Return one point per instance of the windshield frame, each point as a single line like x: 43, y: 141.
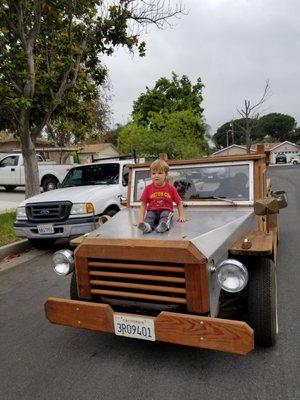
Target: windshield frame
x: 204, y: 202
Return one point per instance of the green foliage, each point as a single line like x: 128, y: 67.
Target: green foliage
x: 278, y: 126
x: 166, y: 119
x: 270, y: 127
x: 179, y: 134
x: 167, y: 96
x: 7, y: 233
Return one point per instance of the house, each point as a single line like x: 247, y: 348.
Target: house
x: 288, y: 148
x: 271, y: 150
x: 234, y: 149
x: 89, y: 152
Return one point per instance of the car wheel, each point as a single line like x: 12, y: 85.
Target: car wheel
x: 49, y: 183
x: 73, y: 287
x: 42, y: 244
x: 262, y: 302
x: 295, y: 162
x: 9, y: 188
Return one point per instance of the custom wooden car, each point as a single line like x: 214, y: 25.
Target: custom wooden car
x: 209, y: 282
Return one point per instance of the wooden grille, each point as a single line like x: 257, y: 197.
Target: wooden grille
x: 130, y: 280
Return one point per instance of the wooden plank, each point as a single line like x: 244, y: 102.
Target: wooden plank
x: 197, y: 288
x: 207, y: 160
x: 262, y: 244
x: 190, y: 330
x: 137, y: 267
x: 139, y: 286
x: 143, y: 296
x: 80, y: 314
x: 204, y: 332
x: 141, y: 250
x: 142, y: 277
x: 82, y: 276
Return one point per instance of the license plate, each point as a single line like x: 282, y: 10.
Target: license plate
x: 44, y: 229
x: 134, y: 326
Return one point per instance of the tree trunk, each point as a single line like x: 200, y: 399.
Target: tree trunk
x: 32, y: 186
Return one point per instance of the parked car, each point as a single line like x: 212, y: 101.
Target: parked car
x: 12, y: 172
x: 87, y: 192
x: 295, y: 159
x: 209, y: 282
x: 281, y: 158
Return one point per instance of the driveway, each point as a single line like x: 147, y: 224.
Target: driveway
x: 11, y: 200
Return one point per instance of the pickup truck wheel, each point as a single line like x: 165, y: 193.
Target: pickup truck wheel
x: 42, y: 244
x: 295, y: 162
x: 111, y: 212
x: 262, y: 302
x: 9, y: 188
x: 49, y: 183
x: 73, y: 288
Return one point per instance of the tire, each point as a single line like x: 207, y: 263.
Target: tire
x: 262, y: 302
x: 42, y: 244
x: 111, y: 212
x: 49, y: 183
x: 73, y: 287
x: 295, y: 162
x: 9, y: 188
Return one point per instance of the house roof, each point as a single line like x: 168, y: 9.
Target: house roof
x: 96, y: 148
x: 233, y: 146
x: 286, y: 142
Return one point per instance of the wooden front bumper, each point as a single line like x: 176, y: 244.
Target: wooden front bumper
x: 190, y: 330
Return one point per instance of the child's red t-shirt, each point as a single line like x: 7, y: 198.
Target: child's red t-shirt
x: 160, y: 198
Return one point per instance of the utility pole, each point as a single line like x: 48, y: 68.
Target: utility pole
x: 232, y: 130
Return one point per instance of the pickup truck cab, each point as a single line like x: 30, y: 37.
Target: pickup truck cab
x: 87, y: 192
x: 12, y: 172
x: 208, y: 283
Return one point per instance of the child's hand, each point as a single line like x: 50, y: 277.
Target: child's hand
x: 182, y: 219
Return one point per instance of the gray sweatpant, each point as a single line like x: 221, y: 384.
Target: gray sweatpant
x: 155, y: 217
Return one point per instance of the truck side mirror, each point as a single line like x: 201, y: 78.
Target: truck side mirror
x: 266, y: 206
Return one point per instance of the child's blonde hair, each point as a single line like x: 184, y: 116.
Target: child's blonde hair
x: 159, y: 166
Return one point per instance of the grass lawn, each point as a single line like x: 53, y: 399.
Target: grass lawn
x: 7, y: 234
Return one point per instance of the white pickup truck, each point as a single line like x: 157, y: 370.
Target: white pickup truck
x: 12, y: 172
x: 87, y: 192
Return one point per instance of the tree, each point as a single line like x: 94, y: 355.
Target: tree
x: 179, y: 134
x: 249, y: 114
x: 227, y: 134
x: 167, y: 118
x: 277, y: 126
x: 168, y: 96
x: 47, y: 44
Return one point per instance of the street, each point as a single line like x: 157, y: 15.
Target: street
x: 10, y: 200
x: 44, y: 361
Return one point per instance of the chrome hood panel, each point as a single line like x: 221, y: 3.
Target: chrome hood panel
x: 208, y: 228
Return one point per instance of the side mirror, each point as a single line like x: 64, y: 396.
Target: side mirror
x: 281, y: 197
x: 266, y: 206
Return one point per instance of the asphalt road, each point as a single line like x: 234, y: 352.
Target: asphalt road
x: 43, y: 361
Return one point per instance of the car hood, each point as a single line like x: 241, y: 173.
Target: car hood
x: 211, y: 229
x: 78, y: 194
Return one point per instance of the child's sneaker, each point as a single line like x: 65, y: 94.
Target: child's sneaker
x: 162, y: 227
x: 144, y: 227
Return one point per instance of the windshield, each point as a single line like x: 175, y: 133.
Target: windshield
x: 94, y: 174
x: 203, y: 183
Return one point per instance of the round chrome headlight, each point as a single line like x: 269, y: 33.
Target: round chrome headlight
x: 232, y: 275
x: 63, y: 262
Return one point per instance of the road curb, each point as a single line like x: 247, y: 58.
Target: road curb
x: 14, y: 248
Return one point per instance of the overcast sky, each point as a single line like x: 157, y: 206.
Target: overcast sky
x: 233, y: 45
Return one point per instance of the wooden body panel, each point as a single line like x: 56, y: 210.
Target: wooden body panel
x: 261, y: 244
x: 190, y: 330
